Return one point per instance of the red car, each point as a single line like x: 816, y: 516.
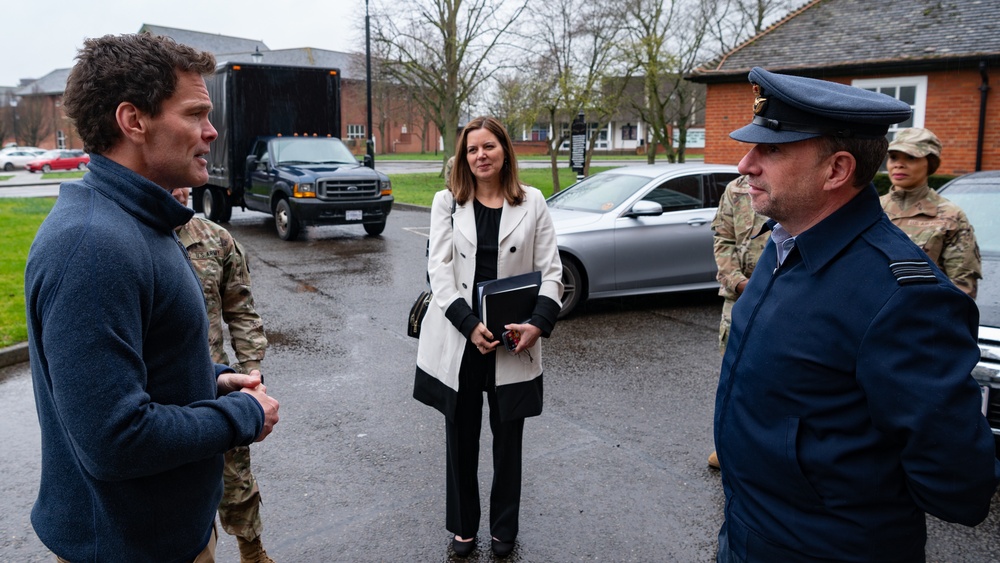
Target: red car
x: 59, y: 160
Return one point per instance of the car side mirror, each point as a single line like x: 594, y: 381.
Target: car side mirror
x: 645, y: 208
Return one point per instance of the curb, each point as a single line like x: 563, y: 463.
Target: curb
x: 410, y: 206
x: 13, y: 355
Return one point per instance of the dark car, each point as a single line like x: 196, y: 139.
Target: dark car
x: 638, y: 230
x: 978, y: 194
x: 59, y: 160
x: 315, y: 181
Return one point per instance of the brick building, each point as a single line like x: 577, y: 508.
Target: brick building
x: 938, y: 56
x: 398, y: 124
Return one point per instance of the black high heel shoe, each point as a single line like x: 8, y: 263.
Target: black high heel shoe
x: 501, y: 548
x: 463, y: 548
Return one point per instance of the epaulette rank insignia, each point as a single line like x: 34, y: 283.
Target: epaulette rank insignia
x: 912, y: 271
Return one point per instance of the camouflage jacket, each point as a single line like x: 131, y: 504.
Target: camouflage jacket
x: 941, y: 229
x: 735, y: 223
x: 225, y: 278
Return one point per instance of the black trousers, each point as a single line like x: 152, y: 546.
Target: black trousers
x: 476, y: 375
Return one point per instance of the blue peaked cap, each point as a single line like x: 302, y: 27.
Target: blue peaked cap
x: 794, y: 108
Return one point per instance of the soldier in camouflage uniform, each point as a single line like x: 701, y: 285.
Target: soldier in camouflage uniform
x: 736, y: 253
x: 933, y: 223
x: 222, y: 268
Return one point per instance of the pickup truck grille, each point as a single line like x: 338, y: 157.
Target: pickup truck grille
x: 347, y: 189
x: 987, y: 372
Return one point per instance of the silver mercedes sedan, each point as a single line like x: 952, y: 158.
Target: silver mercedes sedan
x: 637, y: 230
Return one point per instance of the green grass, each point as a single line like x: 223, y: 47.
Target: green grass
x: 63, y: 175
x: 52, y: 175
x: 419, y: 189
x: 20, y: 218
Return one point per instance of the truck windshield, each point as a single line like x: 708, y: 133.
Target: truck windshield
x: 316, y: 150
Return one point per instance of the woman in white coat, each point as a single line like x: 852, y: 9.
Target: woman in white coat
x: 486, y: 226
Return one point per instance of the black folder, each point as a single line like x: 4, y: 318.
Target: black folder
x: 508, y: 300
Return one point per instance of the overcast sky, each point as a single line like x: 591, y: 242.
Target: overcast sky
x: 39, y: 36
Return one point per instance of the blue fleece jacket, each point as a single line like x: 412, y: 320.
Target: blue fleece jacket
x: 133, y: 433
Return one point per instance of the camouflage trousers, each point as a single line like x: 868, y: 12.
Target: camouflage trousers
x: 239, y: 510
x: 727, y: 319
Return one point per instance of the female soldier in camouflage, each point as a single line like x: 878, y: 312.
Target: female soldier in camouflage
x: 933, y: 223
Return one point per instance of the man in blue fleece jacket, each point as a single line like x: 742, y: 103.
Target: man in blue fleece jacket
x: 134, y: 415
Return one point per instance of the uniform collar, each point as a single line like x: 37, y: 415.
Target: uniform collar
x: 825, y: 240
x: 908, y: 198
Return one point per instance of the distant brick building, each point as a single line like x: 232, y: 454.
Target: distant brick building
x: 938, y: 56
x: 397, y: 122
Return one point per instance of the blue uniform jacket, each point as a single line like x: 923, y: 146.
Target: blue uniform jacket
x: 845, y: 408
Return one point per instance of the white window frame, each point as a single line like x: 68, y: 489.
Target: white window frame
x: 920, y: 102
x: 355, y: 131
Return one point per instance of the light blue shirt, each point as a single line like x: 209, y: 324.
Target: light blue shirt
x: 783, y: 241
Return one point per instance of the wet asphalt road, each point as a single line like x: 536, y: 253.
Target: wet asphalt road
x: 614, y: 468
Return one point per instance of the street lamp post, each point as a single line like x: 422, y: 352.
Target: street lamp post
x: 370, y: 143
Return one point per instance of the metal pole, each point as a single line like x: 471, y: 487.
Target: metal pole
x: 370, y: 143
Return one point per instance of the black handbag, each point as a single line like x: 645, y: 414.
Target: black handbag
x: 419, y: 308
x: 417, y: 312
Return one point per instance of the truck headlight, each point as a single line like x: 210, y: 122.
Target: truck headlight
x: 387, y: 187
x: 303, y: 190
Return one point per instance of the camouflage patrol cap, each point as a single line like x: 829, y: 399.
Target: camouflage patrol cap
x: 916, y: 142
x: 790, y: 108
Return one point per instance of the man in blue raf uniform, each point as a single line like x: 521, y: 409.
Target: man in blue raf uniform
x: 845, y: 409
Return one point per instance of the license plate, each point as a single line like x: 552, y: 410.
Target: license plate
x: 354, y: 215
x: 986, y: 398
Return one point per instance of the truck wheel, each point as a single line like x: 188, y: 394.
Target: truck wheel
x: 197, y: 196
x: 213, y: 203
x: 374, y: 229
x: 226, y: 213
x: 284, y: 222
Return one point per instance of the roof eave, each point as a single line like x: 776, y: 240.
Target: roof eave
x: 856, y: 68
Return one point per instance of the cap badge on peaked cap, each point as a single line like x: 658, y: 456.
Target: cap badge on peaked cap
x: 758, y: 100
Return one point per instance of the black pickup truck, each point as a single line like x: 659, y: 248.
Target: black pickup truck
x: 279, y: 152
x: 314, y: 181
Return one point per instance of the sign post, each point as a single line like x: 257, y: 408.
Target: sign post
x: 578, y: 146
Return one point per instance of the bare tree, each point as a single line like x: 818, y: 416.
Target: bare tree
x: 670, y: 38
x: 577, y: 46
x: 516, y: 101
x: 650, y: 25
x: 735, y: 21
x: 441, y: 49
x: 34, y: 121
x: 6, y: 123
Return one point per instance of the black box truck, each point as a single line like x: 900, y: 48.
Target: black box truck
x: 279, y: 152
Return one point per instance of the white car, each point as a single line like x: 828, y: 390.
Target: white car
x: 18, y: 157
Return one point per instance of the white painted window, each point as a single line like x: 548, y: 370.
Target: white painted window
x: 355, y: 131
x: 909, y: 89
